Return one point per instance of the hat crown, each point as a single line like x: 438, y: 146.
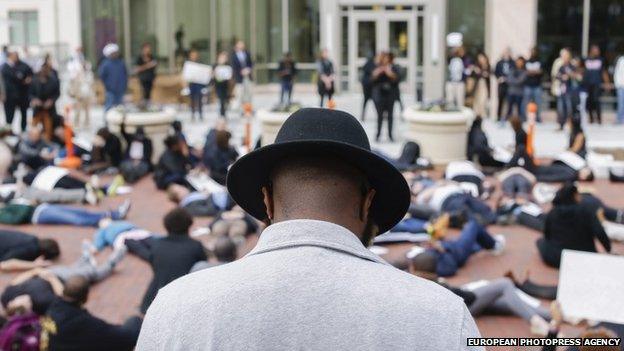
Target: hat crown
x: 320, y: 124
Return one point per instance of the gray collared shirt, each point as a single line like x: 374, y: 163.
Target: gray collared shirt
x: 307, y: 285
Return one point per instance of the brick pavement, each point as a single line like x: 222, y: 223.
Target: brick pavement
x: 119, y: 296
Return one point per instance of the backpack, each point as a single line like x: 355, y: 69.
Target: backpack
x: 21, y: 333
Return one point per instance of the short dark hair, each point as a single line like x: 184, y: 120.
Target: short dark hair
x: 49, y: 248
x: 566, y: 195
x: 171, y: 141
x: 425, y: 261
x: 178, y: 221
x: 225, y: 249
x: 76, y: 289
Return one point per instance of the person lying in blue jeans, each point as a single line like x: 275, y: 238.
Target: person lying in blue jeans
x: 114, y: 233
x: 445, y: 257
x: 57, y: 214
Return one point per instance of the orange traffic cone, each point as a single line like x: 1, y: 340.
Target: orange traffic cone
x: 247, y: 109
x: 531, y: 117
x: 70, y: 160
x: 331, y: 104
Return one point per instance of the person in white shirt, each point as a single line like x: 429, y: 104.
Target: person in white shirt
x: 455, y: 87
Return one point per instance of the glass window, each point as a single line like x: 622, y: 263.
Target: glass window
x: 468, y: 17
x: 398, y: 38
x: 605, y: 28
x: 559, y: 24
x: 233, y: 23
x: 367, y: 38
x: 303, y: 29
x: 148, y: 25
x: 102, y: 23
x: 192, y: 25
x: 268, y: 39
x: 23, y: 28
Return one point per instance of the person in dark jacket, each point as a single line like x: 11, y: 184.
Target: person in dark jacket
x: 326, y: 76
x: 287, y: 71
x: 106, y: 152
x: 577, y: 143
x: 146, y: 70
x: 501, y: 71
x: 137, y: 160
x: 114, y: 75
x: 479, y: 148
x: 17, y: 77
x: 570, y: 225
x: 595, y: 75
x: 515, y: 88
x: 385, y: 80
x: 170, y: 257
x: 173, y: 164
x: 519, y: 132
x: 44, y: 91
x: 367, y: 83
x: 70, y: 327
x: 25, y: 248
x: 221, y: 81
x: 533, y: 83
x: 218, y: 159
x: 242, y: 69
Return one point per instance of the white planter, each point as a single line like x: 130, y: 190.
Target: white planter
x: 155, y: 123
x: 442, y: 136
x: 270, y: 123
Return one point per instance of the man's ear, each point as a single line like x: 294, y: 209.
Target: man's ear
x: 366, y: 205
x: 267, y: 198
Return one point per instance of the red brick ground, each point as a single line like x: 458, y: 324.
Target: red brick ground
x: 119, y: 296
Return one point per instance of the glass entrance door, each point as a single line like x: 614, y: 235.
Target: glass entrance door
x: 371, y: 32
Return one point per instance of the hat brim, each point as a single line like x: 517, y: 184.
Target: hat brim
x: 251, y: 172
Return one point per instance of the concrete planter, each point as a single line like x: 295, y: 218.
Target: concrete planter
x: 270, y: 123
x: 442, y: 135
x: 155, y: 123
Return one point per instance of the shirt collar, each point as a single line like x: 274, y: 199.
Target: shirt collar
x: 308, y: 232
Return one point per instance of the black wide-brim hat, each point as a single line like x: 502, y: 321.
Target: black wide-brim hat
x: 321, y: 132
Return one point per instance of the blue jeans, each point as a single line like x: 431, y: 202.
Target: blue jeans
x: 515, y: 100
x: 57, y: 214
x: 112, y: 99
x: 532, y: 94
x: 286, y: 94
x: 411, y: 225
x: 620, y: 105
x: 472, y: 239
x: 106, y: 236
x: 564, y: 108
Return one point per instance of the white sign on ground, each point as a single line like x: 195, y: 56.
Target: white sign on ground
x: 591, y: 286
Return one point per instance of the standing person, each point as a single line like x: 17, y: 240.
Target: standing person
x: 326, y: 76
x: 323, y: 210
x: 287, y: 71
x: 618, y: 81
x: 146, y: 71
x: 577, y: 142
x: 17, y: 76
x: 455, y: 86
x: 80, y: 86
x: 367, y: 82
x: 242, y: 66
x: 595, y: 75
x: 114, y: 75
x: 196, y: 90
x: 533, y: 83
x: 222, y: 78
x: 501, y: 71
x: 171, y: 256
x: 44, y: 91
x: 385, y: 90
x: 515, y: 84
x: 481, y: 71
x: 560, y: 73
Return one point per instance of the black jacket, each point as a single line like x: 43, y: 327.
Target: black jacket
x: 170, y: 164
x: 15, y: 81
x: 18, y: 245
x: 78, y: 330
x: 44, y: 90
x: 170, y: 257
x: 237, y: 66
x: 574, y: 227
x: 147, y: 145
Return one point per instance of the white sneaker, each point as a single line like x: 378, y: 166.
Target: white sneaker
x: 539, y: 326
x: 499, y: 245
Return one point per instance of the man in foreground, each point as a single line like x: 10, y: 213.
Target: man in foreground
x: 310, y: 283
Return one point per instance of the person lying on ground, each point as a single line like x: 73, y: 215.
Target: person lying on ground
x: 200, y: 203
x: 24, y: 213
x: 498, y: 296
x: 566, y: 167
x: 570, y: 225
x: 69, y: 326
x: 409, y: 160
x: 470, y: 177
x: 444, y: 257
x: 115, y: 232
x: 173, y: 165
x: 224, y: 251
x: 20, y: 251
x: 171, y: 256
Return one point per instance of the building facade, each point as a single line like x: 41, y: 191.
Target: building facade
x: 37, y: 27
